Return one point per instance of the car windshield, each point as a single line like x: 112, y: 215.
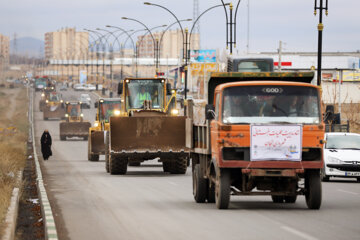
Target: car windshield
x: 107, y: 109
x: 73, y: 110
x: 137, y: 91
x: 343, y: 142
x: 271, y: 104
x: 85, y: 97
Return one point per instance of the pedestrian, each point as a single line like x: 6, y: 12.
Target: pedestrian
x: 46, y: 145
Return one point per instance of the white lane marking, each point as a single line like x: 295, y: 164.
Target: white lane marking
x: 344, y: 191
x: 172, y: 183
x: 298, y: 233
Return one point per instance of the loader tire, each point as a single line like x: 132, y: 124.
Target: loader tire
x: 117, y: 165
x: 199, y: 185
x: 107, y: 164
x: 134, y: 164
x: 179, y: 166
x: 62, y: 138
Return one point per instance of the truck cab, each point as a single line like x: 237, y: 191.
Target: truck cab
x: 263, y: 135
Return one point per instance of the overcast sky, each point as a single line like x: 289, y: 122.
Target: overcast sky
x: 291, y: 21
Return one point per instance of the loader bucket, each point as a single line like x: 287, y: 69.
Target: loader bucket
x: 74, y: 129
x: 97, y: 142
x: 147, y: 134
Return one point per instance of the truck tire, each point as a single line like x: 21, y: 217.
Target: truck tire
x: 313, y: 189
x: 277, y: 199
x: 117, y: 165
x: 179, y: 166
x: 324, y: 177
x: 222, y: 188
x: 210, y: 192
x: 199, y: 185
x: 166, y: 166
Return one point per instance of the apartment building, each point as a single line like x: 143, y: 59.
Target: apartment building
x: 4, y: 51
x: 66, y: 44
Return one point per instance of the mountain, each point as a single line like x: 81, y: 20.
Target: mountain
x: 27, y: 46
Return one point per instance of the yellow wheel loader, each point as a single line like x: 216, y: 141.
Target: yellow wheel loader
x: 106, y: 107
x: 45, y: 96
x: 74, y: 124
x: 148, y: 127
x: 54, y: 107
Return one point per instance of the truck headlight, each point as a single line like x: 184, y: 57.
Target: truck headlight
x: 61, y: 101
x: 116, y: 112
x: 66, y: 115
x: 174, y: 112
x: 335, y: 160
x: 43, y: 95
x: 81, y: 115
x: 96, y: 124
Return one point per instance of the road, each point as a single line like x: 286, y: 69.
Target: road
x: 149, y: 204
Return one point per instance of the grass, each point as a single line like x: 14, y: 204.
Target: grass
x: 12, y: 145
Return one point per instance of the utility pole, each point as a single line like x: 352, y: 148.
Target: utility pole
x: 280, y: 53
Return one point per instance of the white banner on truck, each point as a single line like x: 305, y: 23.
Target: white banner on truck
x: 275, y: 142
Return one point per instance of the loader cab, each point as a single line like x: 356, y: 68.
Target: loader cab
x: 54, y: 97
x: 108, y: 108
x: 153, y: 94
x: 73, y: 111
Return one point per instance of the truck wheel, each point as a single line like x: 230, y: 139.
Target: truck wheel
x: 62, y: 138
x: 167, y: 166
x: 222, y: 188
x: 358, y: 180
x: 290, y: 199
x: 179, y: 166
x: 117, y: 165
x: 199, y: 185
x: 277, y: 199
x: 313, y: 189
x: 211, y: 193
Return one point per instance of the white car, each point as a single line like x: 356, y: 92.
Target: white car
x: 341, y: 156
x: 85, y: 100
x: 89, y: 87
x: 79, y: 87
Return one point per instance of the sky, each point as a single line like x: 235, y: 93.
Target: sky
x: 290, y: 21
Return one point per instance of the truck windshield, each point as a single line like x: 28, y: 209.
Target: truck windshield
x: 137, y: 91
x: 343, y: 142
x: 271, y: 104
x: 107, y: 109
x: 254, y: 66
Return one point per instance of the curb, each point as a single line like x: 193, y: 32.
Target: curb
x: 11, y: 216
x: 48, y: 217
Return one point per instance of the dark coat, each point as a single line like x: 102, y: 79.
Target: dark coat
x: 46, y: 145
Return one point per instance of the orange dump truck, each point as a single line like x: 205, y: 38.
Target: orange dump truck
x: 262, y: 134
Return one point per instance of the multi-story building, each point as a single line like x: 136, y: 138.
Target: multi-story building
x: 4, y: 51
x: 66, y: 44
x: 170, y: 43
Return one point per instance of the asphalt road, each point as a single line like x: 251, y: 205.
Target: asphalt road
x: 149, y: 204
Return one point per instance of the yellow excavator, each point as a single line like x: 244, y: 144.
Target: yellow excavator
x: 148, y: 127
x: 74, y: 124
x: 106, y: 107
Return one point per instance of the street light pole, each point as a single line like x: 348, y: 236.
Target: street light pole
x: 320, y: 30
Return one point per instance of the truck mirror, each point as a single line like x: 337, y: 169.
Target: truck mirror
x: 168, y: 88
x: 96, y: 104
x: 120, y: 88
x: 209, y: 112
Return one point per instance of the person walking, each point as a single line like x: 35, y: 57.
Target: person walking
x: 46, y: 145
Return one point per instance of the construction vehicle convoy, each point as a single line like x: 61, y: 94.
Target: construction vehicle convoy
x: 45, y: 96
x: 54, y: 107
x: 153, y: 128
x: 74, y: 124
x: 106, y: 107
x: 263, y: 135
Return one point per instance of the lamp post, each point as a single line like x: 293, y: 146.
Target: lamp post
x: 152, y: 36
x: 231, y: 25
x: 321, y: 8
